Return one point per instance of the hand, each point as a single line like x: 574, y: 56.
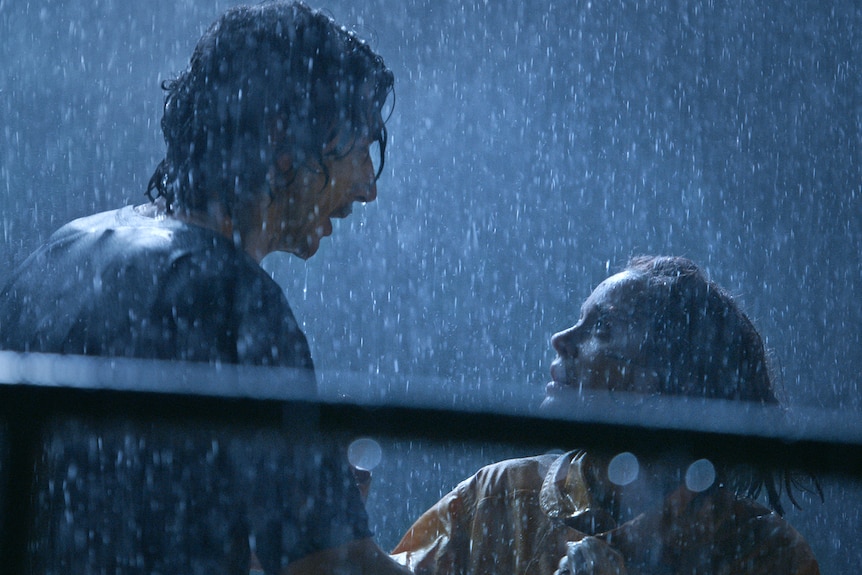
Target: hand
x: 591, y: 556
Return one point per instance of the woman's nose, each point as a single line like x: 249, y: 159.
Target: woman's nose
x: 565, y: 342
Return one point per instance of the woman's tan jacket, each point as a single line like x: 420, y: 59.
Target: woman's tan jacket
x: 522, y: 516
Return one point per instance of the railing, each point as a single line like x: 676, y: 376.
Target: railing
x: 34, y: 389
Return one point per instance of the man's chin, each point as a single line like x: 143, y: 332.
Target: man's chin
x: 305, y: 251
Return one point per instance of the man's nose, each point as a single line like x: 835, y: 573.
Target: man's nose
x: 565, y: 342
x: 366, y: 194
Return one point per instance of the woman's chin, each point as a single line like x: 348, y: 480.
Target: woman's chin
x: 557, y: 394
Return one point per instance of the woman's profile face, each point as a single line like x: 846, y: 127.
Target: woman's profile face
x: 604, y: 350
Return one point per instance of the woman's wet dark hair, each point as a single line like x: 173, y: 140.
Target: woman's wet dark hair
x: 263, y: 81
x: 702, y: 344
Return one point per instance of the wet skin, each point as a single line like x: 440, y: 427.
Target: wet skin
x: 604, y: 349
x: 301, y: 213
x: 296, y: 208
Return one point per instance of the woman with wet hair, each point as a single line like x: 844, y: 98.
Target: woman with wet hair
x: 659, y: 327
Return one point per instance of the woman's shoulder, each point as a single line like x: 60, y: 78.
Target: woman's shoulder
x: 518, y: 474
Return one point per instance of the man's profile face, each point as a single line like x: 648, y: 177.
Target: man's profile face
x: 604, y: 350
x: 299, y: 216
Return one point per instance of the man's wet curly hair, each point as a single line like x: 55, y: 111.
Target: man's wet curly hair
x: 264, y: 81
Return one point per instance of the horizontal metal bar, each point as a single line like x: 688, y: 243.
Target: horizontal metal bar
x: 34, y: 386
x: 34, y: 389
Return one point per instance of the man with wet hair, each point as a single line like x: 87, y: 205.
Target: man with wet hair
x: 659, y: 327
x: 267, y: 150
x: 270, y: 134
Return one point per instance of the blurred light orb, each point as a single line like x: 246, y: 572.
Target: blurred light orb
x: 623, y: 468
x: 364, y: 453
x: 700, y: 475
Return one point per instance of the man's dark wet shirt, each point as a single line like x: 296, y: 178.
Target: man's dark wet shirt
x: 124, y: 284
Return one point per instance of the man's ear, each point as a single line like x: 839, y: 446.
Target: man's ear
x: 281, y: 174
x: 284, y: 161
